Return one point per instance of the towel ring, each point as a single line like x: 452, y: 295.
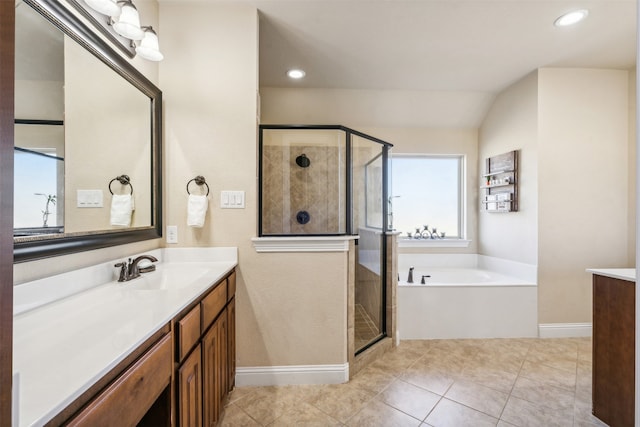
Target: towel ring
x: 199, y: 181
x: 122, y: 179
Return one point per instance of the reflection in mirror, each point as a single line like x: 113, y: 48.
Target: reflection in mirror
x: 38, y: 177
x: 84, y: 115
x: 107, y: 134
x: 39, y: 131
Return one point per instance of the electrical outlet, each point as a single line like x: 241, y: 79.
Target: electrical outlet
x: 172, y: 234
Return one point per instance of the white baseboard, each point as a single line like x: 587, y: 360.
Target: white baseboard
x: 283, y: 375
x: 564, y: 330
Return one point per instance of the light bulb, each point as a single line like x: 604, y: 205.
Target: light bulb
x: 106, y: 7
x: 128, y: 23
x: 149, y: 48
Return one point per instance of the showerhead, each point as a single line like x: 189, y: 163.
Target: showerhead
x: 303, y: 161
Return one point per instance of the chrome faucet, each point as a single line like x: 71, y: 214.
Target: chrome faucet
x: 130, y: 270
x: 410, y: 278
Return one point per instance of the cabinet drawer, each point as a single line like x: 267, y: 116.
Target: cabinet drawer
x: 188, y: 331
x: 128, y: 398
x: 231, y: 285
x: 213, y: 303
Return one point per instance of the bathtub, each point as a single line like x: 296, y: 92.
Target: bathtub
x: 466, y: 296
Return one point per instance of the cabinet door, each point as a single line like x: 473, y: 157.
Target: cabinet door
x: 231, y: 343
x: 223, y: 365
x: 190, y: 389
x: 211, y: 407
x: 613, y: 350
x: 215, y: 374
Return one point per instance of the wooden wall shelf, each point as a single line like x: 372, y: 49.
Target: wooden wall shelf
x: 500, y: 183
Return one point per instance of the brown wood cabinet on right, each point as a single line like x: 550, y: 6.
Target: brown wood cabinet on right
x: 206, y: 355
x: 613, y: 350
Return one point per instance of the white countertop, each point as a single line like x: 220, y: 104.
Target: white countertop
x: 615, y: 273
x: 62, y: 348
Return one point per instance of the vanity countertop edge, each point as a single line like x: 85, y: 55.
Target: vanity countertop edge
x: 62, y: 348
x: 628, y: 274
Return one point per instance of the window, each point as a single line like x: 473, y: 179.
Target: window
x: 428, y: 190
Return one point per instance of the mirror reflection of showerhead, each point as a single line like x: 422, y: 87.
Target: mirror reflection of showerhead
x: 303, y: 161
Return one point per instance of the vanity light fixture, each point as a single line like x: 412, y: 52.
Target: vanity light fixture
x: 571, y: 18
x: 106, y: 7
x: 128, y: 23
x: 125, y: 20
x: 296, y: 74
x: 149, y: 48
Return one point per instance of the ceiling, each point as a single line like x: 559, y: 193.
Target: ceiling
x: 39, y: 47
x: 447, y: 58
x: 458, y: 52
x: 443, y: 45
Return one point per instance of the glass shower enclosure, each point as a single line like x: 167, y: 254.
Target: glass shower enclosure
x: 331, y: 180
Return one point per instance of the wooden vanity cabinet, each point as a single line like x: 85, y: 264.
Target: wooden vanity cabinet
x: 613, y: 350
x: 140, y: 395
x: 205, y: 367
x: 180, y: 376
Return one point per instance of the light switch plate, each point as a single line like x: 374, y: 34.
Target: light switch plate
x: 232, y: 199
x: 90, y: 199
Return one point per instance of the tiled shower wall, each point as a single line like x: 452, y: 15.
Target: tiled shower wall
x: 368, y: 292
x: 288, y: 188
x: 368, y: 274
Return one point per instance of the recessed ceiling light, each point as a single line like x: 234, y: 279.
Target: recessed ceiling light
x: 296, y: 74
x: 571, y: 18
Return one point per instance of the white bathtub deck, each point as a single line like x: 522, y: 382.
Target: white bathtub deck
x: 450, y: 312
x: 498, y: 304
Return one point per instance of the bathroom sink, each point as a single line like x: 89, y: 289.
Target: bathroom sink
x: 170, y: 276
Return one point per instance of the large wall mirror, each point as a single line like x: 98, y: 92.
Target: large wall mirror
x: 87, y: 134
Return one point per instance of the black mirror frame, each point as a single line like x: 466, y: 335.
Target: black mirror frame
x: 66, y: 21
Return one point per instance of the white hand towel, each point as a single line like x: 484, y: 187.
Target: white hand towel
x: 196, y: 210
x: 121, y: 208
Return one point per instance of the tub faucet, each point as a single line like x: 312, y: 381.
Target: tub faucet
x: 130, y: 270
x: 410, y: 278
x: 424, y: 282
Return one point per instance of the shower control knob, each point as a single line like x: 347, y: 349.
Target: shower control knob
x: 303, y: 217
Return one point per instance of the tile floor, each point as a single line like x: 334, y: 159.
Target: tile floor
x: 496, y: 382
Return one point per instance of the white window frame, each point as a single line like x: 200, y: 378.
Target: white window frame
x: 459, y: 241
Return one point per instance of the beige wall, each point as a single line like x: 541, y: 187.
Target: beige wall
x: 583, y: 185
x: 511, y: 124
x: 28, y: 271
x: 572, y: 127
x: 42, y: 100
x: 291, y: 308
x: 383, y: 108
